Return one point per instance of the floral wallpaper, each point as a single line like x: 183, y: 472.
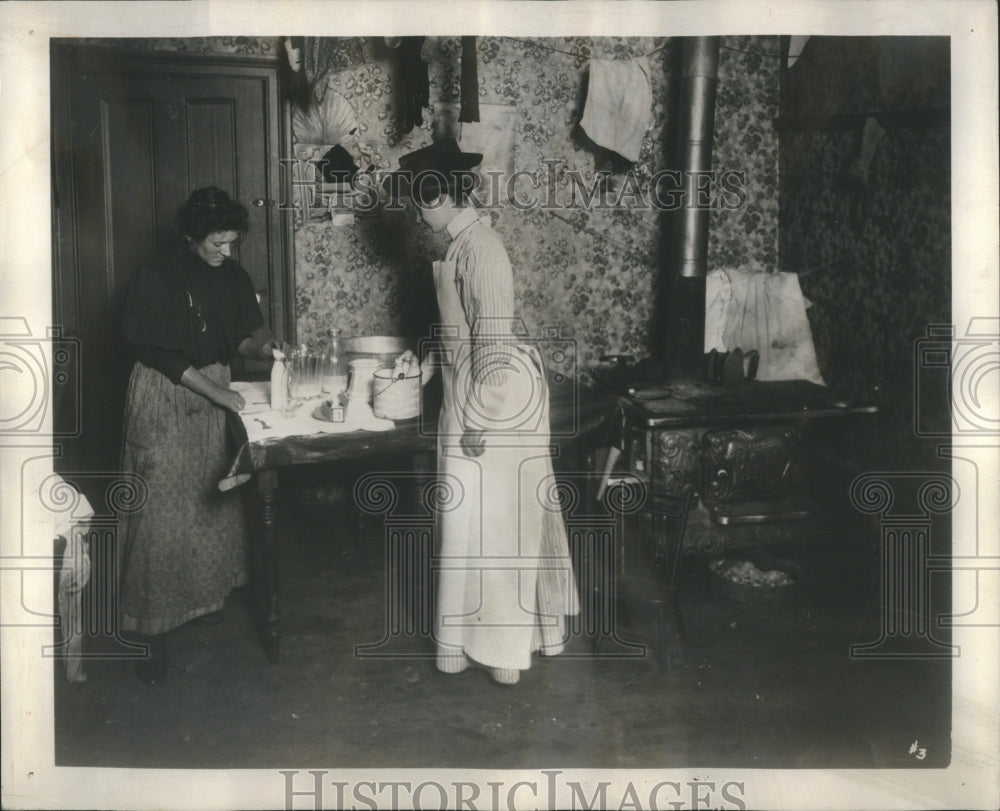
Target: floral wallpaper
x: 591, y: 273
x: 237, y: 46
x: 875, y: 262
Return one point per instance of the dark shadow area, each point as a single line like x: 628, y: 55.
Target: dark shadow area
x: 762, y: 683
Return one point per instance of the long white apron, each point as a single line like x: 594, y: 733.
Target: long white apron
x: 504, y: 575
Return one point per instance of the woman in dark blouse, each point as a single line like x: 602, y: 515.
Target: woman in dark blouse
x: 187, y: 312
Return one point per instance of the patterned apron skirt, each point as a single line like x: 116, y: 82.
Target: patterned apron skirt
x: 184, y: 550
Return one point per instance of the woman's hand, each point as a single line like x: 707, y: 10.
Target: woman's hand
x: 229, y: 399
x: 266, y: 350
x: 473, y: 442
x: 220, y: 395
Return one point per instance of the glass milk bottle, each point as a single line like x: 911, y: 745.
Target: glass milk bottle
x: 279, y: 382
x: 334, y: 366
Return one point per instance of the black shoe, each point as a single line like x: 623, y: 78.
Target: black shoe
x: 154, y: 669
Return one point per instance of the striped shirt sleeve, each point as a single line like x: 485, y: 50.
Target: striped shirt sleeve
x: 486, y: 285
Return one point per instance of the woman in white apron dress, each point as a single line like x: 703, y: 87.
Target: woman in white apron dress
x: 504, y: 576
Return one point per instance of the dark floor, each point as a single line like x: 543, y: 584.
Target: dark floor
x: 760, y: 684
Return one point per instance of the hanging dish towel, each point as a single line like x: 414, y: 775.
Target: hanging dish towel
x: 750, y: 310
x: 619, y: 104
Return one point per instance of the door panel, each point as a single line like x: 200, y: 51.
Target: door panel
x: 133, y: 136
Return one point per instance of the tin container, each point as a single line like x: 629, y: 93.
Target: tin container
x: 394, y: 397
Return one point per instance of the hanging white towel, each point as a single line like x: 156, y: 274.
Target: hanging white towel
x: 619, y: 105
x: 73, y: 576
x: 750, y: 310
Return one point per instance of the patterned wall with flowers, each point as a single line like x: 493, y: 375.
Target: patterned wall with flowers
x: 875, y: 261
x: 591, y: 273
x: 234, y: 46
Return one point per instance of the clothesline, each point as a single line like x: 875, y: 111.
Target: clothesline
x: 571, y: 53
x: 605, y: 238
x: 751, y: 53
x: 836, y: 261
x: 650, y: 53
x: 533, y: 44
x: 593, y: 232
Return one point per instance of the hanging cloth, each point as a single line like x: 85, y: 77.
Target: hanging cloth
x: 73, y: 577
x: 415, y: 81
x: 766, y: 312
x: 470, y: 82
x: 619, y: 105
x: 322, y: 56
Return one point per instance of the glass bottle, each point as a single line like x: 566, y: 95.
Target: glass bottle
x: 279, y: 382
x: 334, y: 365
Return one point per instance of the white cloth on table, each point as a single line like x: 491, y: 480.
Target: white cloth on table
x: 264, y: 423
x: 74, y: 575
x: 619, y: 105
x: 766, y: 312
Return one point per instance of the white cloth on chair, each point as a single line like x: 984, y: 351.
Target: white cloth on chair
x: 750, y: 310
x: 73, y: 576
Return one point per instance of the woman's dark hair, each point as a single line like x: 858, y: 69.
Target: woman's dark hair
x: 209, y: 211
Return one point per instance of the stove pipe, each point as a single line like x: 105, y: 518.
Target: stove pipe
x: 685, y: 333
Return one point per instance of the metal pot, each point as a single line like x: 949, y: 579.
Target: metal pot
x: 384, y: 348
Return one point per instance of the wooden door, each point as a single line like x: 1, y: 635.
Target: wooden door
x: 133, y: 136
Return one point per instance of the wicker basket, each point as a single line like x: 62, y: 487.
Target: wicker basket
x: 395, y: 398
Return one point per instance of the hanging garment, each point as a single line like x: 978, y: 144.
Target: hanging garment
x: 470, y: 82
x: 322, y: 56
x: 765, y: 312
x: 505, y: 578
x: 415, y: 81
x: 74, y: 574
x: 619, y: 105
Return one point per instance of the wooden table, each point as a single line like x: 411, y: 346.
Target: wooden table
x: 578, y: 415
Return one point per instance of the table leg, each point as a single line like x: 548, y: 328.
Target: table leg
x: 270, y: 614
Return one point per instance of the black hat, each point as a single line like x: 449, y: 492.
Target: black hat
x: 443, y: 157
